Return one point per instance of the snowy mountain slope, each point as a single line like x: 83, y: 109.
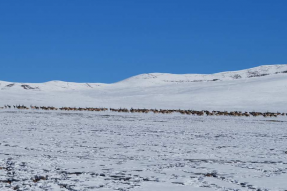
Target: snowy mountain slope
x: 262, y: 88
x: 155, y: 78
x: 48, y: 86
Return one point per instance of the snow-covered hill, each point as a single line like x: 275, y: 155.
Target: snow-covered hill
x: 261, y: 88
x: 48, y: 86
x: 156, y: 78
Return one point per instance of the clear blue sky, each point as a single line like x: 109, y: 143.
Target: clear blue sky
x: 110, y: 40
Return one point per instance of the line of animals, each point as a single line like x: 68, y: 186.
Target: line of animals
x: 162, y: 111
x: 53, y: 108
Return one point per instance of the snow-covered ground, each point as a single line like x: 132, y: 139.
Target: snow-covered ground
x: 53, y: 150
x: 262, y: 88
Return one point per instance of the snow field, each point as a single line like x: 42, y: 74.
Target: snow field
x: 53, y: 150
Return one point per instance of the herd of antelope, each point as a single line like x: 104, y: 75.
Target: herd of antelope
x: 161, y: 111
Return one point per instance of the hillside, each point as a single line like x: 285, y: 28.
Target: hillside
x: 261, y: 88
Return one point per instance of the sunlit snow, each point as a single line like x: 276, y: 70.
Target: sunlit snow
x: 54, y: 150
x: 82, y: 151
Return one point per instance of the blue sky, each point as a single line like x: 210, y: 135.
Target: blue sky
x: 110, y: 40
